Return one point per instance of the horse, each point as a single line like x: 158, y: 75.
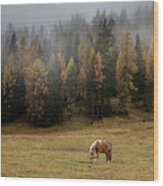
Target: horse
x: 100, y: 146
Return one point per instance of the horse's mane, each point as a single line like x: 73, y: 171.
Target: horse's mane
x: 92, y: 147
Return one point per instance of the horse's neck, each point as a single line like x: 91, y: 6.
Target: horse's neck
x: 92, y: 147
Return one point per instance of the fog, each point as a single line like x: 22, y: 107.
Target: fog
x: 49, y: 14
x: 61, y: 27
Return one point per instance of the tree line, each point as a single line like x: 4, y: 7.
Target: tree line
x: 85, y: 70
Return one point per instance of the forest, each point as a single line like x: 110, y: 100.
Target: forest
x: 97, y: 70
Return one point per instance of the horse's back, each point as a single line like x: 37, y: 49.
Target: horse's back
x: 104, y: 146
x: 108, y: 144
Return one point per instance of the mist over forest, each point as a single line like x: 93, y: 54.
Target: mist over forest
x: 130, y: 15
x: 59, y: 60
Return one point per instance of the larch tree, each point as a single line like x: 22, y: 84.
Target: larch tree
x: 11, y: 99
x: 125, y: 70
x: 36, y: 86
x: 12, y: 83
x: 99, y: 80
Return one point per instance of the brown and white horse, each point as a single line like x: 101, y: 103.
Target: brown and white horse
x: 100, y: 146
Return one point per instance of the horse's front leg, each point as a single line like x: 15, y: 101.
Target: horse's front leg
x: 96, y: 157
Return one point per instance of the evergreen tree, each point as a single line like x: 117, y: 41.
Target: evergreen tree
x: 140, y: 76
x: 149, y: 91
x: 83, y: 65
x: 69, y: 84
x: 123, y: 21
x: 71, y: 87
x: 82, y: 82
x: 4, y: 51
x: 125, y: 70
x: 54, y: 105
x: 13, y: 43
x: 23, y: 54
x: 34, y: 50
x: 105, y: 44
x: 95, y: 80
x: 91, y: 85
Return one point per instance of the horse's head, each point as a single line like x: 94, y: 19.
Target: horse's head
x: 91, y: 152
x: 92, y: 148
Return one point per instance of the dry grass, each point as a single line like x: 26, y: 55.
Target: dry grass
x: 62, y: 151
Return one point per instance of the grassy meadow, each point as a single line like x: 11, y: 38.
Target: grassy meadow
x: 72, y: 74
x: 61, y: 151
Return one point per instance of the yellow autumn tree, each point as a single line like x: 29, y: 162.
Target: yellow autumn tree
x: 12, y: 90
x: 9, y: 82
x: 98, y: 68
x: 63, y: 75
x: 8, y: 76
x: 36, y: 85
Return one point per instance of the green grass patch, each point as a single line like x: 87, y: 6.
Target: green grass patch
x: 62, y: 151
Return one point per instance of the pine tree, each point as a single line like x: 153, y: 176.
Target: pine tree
x: 71, y: 87
x: 139, y: 77
x: 91, y: 85
x: 82, y: 81
x: 125, y: 70
x: 105, y: 44
x: 54, y: 105
x: 149, y: 91
x: 83, y: 64
x: 34, y: 49
x: 95, y: 81
x: 13, y: 43
x: 23, y: 54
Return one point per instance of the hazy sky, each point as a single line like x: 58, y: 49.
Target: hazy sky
x: 48, y: 14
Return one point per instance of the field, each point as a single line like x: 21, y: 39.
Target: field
x: 62, y: 151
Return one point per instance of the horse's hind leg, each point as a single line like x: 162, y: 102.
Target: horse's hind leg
x: 107, y: 156
x: 110, y: 155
